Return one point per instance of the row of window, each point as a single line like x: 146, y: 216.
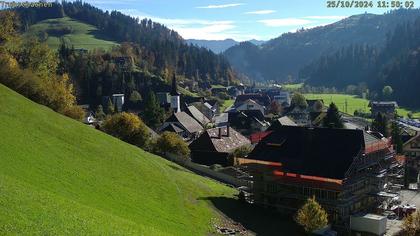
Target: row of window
x: 306, y: 191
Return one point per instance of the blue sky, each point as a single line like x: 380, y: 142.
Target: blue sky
x: 237, y: 19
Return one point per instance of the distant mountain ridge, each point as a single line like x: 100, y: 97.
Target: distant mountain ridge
x: 219, y: 46
x: 280, y: 59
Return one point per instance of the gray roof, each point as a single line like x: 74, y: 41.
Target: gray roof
x: 383, y: 103
x: 197, y: 115
x: 227, y: 143
x: 189, y: 123
x: 173, y: 128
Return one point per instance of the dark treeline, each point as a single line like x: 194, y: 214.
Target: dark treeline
x: 397, y: 64
x: 281, y: 58
x: 155, y: 49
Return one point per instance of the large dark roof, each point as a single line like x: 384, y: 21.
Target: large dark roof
x: 261, y: 99
x: 191, y: 125
x: 211, y: 141
x: 311, y: 151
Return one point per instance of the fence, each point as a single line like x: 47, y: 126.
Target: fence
x: 206, y: 171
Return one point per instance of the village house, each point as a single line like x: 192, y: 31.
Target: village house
x: 282, y: 121
x: 344, y: 169
x: 261, y: 99
x: 249, y: 105
x: 197, y: 115
x: 205, y: 108
x: 118, y: 101
x: 215, y: 145
x: 248, y: 122
x: 386, y: 108
x: 183, y: 125
x: 411, y: 149
x: 283, y: 98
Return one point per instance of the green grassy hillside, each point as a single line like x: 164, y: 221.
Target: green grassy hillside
x: 78, y: 34
x: 60, y: 177
x: 353, y: 103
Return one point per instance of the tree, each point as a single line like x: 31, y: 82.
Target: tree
x: 170, y: 142
x: 333, y: 117
x: 135, y: 97
x: 127, y: 127
x: 99, y: 113
x: 312, y: 216
x: 318, y: 105
x: 299, y: 100
x: 396, y: 137
x: 9, y: 24
x: 153, y: 114
x: 240, y: 152
x: 411, y: 224
x: 380, y: 124
x: 275, y: 108
x: 387, y: 91
x: 110, y: 109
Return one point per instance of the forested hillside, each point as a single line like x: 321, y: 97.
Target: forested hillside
x: 397, y: 64
x: 281, y: 58
x: 154, y: 51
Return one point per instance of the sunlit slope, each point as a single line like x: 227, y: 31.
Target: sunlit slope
x: 80, y: 35
x: 58, y: 176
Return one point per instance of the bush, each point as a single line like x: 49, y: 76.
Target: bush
x: 312, y: 216
x: 170, y: 142
x: 127, y: 127
x: 411, y: 224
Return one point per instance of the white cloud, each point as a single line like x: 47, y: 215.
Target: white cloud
x: 285, y: 22
x: 325, y: 17
x: 221, y: 6
x: 260, y: 12
x: 196, y: 28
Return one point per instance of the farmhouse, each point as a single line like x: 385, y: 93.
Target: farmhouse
x: 261, y: 99
x: 215, y: 145
x: 248, y: 122
x: 182, y: 124
x: 411, y: 149
x: 386, y: 108
x: 250, y: 105
x: 344, y: 169
x: 197, y: 115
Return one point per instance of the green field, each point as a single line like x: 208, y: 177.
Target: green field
x: 292, y: 87
x: 82, y: 35
x: 226, y: 104
x: 60, y: 177
x: 353, y: 103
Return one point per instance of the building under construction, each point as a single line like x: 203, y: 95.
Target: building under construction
x: 344, y: 169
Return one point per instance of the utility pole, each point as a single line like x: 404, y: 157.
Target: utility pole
x: 345, y: 105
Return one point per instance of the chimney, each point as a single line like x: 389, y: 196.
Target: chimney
x: 228, y: 130
x: 220, y: 133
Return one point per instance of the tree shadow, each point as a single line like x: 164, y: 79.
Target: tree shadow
x: 177, y: 168
x: 259, y: 220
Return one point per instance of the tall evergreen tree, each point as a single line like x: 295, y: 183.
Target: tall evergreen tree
x: 153, y: 114
x: 396, y: 137
x: 380, y: 124
x: 110, y: 109
x: 333, y: 117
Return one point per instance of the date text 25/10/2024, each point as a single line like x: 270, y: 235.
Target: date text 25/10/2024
x: 370, y: 4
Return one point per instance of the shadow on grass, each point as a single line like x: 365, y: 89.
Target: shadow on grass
x: 177, y: 168
x: 259, y: 220
x: 98, y: 34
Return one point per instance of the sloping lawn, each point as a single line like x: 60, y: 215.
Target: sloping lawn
x: 60, y: 177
